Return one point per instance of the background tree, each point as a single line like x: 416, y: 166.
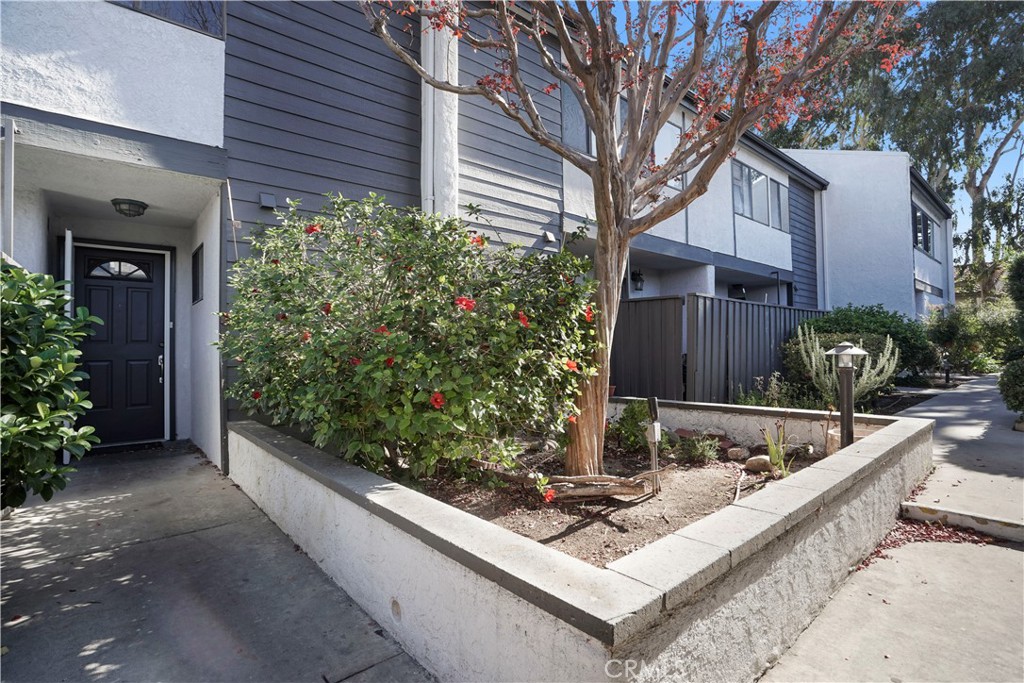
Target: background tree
x: 631, y: 66
x: 956, y: 105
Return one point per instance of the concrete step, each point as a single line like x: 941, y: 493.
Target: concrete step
x: 998, y: 528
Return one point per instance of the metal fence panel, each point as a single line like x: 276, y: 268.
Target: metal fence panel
x: 647, y: 351
x: 730, y: 342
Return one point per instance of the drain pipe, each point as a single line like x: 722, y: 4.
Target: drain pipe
x: 428, y: 42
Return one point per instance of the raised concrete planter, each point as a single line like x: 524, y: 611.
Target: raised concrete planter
x: 719, y: 599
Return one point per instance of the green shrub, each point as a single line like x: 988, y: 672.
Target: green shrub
x: 630, y: 429
x: 872, y: 372
x: 401, y: 339
x: 917, y: 354
x: 1015, y: 289
x: 974, y: 336
x: 698, y: 450
x: 1011, y: 386
x: 797, y: 370
x: 776, y: 392
x: 38, y: 382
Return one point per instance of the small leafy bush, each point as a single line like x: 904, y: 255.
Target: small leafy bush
x: 630, y: 429
x: 776, y: 392
x: 872, y: 373
x: 917, y: 354
x: 698, y: 450
x: 39, y: 379
x: 1011, y: 386
x: 402, y: 340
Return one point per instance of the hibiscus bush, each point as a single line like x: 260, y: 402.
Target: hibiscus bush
x: 404, y: 339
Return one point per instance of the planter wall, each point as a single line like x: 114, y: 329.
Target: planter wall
x: 720, y: 599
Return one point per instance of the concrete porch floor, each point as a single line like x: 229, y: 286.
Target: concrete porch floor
x: 154, y: 566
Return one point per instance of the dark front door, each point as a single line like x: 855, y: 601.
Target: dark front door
x: 125, y: 357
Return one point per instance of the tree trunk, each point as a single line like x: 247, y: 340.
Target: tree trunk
x: 585, y: 452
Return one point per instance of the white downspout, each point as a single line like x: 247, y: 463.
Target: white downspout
x: 824, y: 296
x: 427, y: 47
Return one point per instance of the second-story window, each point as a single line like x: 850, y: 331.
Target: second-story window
x: 924, y: 230
x: 758, y: 198
x: 206, y: 16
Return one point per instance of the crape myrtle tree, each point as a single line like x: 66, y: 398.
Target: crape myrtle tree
x: 631, y: 66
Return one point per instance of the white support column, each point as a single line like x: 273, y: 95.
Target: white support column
x: 7, y: 194
x: 439, y: 150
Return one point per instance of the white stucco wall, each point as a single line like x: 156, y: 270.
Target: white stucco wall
x: 869, y: 252
x: 141, y: 234
x: 106, y: 63
x: 205, y: 359
x: 29, y: 230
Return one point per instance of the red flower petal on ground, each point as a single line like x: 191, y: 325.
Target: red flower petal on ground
x: 523, y: 320
x: 549, y: 495
x: 327, y: 307
x: 389, y: 362
x: 306, y: 336
x: 355, y: 361
x: 465, y: 303
x: 589, y: 313
x: 383, y: 329
x: 312, y: 228
x: 437, y: 400
x: 256, y: 395
x: 571, y: 364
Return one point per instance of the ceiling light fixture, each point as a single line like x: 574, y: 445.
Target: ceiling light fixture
x: 129, y: 207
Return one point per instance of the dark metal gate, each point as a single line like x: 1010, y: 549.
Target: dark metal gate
x: 647, y: 351
x: 730, y: 342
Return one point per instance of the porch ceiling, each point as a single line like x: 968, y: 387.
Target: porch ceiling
x: 77, y: 186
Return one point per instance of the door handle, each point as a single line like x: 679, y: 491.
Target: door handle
x: 160, y: 362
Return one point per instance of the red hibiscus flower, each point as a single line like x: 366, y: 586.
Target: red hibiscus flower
x: 383, y: 329
x: 327, y: 308
x: 571, y: 364
x: 437, y: 400
x: 549, y: 495
x: 589, y: 313
x: 465, y: 303
x: 312, y: 228
x: 256, y: 395
x: 275, y: 261
x: 355, y: 361
x: 478, y: 240
x: 523, y: 320
x: 282, y: 316
x: 306, y: 336
x: 572, y: 419
x: 389, y: 362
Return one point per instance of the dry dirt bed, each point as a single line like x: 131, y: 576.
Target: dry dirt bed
x: 602, y: 531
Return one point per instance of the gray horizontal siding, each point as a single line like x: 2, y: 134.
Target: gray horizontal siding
x: 516, y: 182
x: 804, y: 245
x: 314, y: 103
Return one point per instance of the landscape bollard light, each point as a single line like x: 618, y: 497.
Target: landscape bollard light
x: 845, y: 352
x: 653, y: 437
x: 946, y: 365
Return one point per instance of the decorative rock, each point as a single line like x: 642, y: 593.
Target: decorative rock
x: 725, y: 444
x: 739, y: 453
x: 759, y: 463
x: 671, y: 438
x: 716, y: 432
x: 687, y: 433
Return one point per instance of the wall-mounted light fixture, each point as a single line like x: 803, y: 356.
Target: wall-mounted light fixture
x: 129, y: 207
x: 637, y: 278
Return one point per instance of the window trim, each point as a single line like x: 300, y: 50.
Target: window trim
x: 747, y: 185
x: 928, y: 231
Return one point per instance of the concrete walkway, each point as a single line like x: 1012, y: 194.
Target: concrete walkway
x: 936, y: 611
x: 979, y: 461
x: 152, y: 566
